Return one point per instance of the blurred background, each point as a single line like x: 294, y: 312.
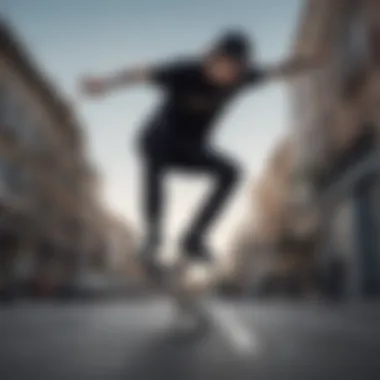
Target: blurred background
x: 311, y: 209
x: 306, y: 226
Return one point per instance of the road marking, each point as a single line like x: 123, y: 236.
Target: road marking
x: 234, y: 331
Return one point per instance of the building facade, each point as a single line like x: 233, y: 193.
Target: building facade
x: 277, y: 247
x: 49, y: 226
x: 336, y: 126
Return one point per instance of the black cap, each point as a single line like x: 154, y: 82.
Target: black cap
x: 235, y: 44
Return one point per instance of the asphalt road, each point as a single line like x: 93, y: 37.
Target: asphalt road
x: 134, y: 340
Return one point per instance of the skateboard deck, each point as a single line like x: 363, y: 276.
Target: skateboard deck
x: 188, y: 296
x: 187, y: 291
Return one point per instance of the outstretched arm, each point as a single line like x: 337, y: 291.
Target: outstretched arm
x: 99, y: 85
x: 163, y: 74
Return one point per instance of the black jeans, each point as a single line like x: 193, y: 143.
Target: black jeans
x: 164, y: 154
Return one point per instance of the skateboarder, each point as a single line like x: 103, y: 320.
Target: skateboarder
x: 178, y: 135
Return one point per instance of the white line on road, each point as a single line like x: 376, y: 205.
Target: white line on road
x: 233, y: 330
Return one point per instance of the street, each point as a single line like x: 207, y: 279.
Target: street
x: 131, y: 340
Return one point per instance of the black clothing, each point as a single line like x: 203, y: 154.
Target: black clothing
x: 177, y: 138
x: 191, y: 102
x: 160, y: 159
x: 235, y: 45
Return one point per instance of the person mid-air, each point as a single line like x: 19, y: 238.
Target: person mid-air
x: 178, y: 134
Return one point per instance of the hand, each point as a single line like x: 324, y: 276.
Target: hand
x: 93, y: 86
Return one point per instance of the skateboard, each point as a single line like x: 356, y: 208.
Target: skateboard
x: 187, y: 285
x: 189, y: 290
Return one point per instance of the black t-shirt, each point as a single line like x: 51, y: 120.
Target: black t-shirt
x: 191, y: 102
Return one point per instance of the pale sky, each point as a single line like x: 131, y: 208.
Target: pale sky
x: 72, y: 37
